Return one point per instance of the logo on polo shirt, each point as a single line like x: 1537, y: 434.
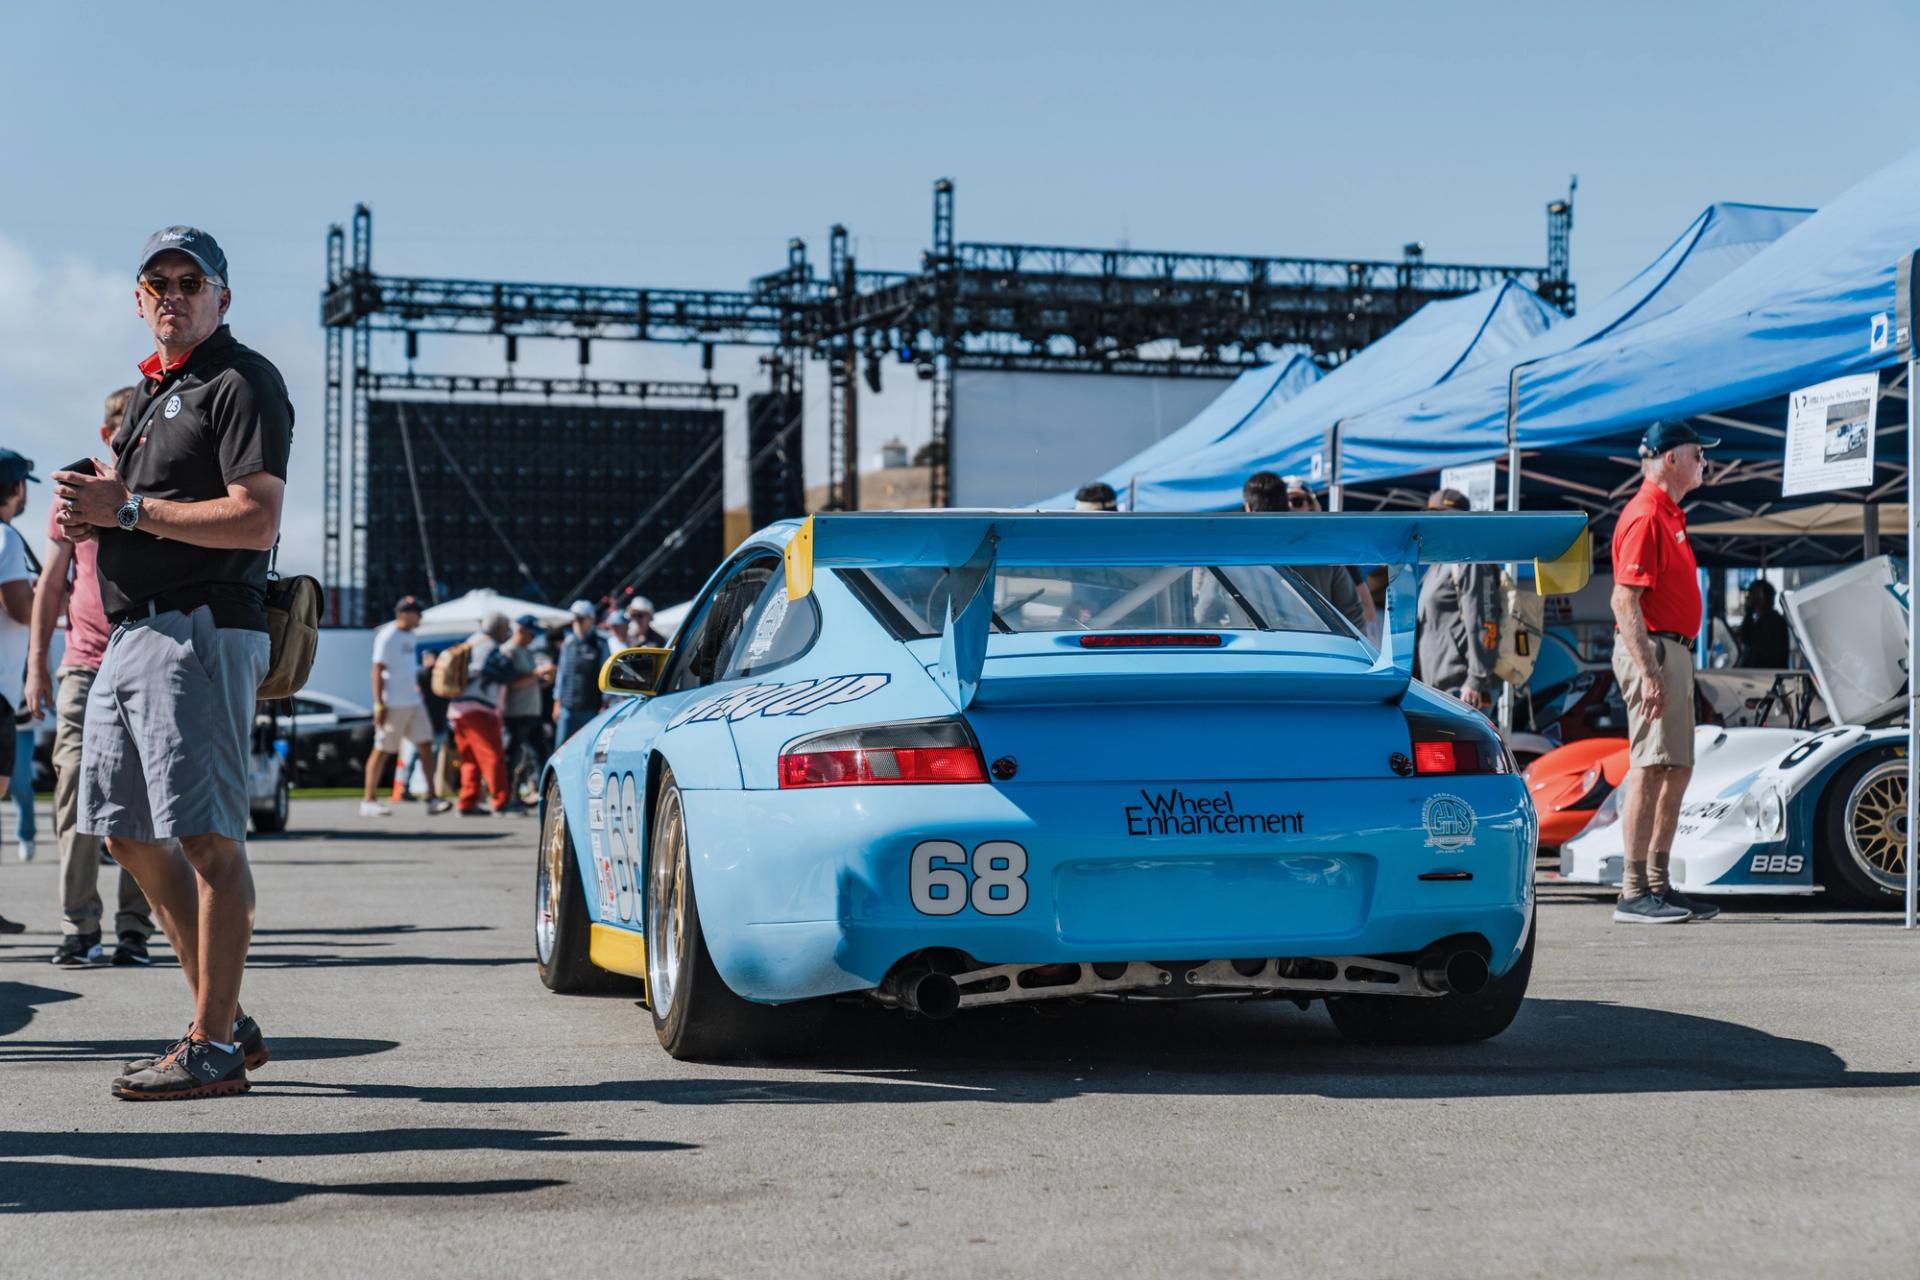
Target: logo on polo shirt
x: 173, y: 408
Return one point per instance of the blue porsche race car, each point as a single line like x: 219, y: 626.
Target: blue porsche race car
x: 944, y: 760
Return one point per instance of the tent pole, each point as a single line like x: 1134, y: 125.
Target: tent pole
x: 1507, y: 692
x: 1913, y: 637
x: 1334, y: 495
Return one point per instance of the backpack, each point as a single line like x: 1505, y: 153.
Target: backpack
x: 1522, y: 621
x: 450, y: 670
x: 293, y: 635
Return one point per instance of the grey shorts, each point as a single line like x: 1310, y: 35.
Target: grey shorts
x: 164, y: 749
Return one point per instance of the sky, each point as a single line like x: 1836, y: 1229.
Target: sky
x: 682, y: 145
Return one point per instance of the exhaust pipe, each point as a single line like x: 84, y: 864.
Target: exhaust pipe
x: 1452, y: 972
x: 920, y: 990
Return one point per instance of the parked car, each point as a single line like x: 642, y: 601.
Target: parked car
x: 329, y: 739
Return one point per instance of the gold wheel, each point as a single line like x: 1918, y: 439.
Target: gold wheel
x: 1876, y: 823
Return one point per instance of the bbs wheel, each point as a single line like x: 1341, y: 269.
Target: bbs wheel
x: 1863, y: 832
x: 561, y: 928
x: 695, y: 1014
x: 1448, y: 1019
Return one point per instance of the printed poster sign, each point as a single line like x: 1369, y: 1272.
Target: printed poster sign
x: 1830, y: 435
x: 1477, y: 481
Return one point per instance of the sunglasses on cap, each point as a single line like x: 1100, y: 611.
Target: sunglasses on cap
x: 191, y: 283
x: 1297, y: 500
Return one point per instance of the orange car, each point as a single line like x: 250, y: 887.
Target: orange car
x: 1568, y: 783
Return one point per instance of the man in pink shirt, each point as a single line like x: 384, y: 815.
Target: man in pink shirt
x: 86, y: 623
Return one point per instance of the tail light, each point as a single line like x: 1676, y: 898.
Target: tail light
x: 1445, y: 745
x: 917, y: 751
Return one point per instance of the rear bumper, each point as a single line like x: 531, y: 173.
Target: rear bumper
x: 809, y: 893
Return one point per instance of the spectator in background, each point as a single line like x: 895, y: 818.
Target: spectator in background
x: 1265, y: 491
x: 6, y: 782
x: 1763, y: 632
x: 640, y: 623
x: 17, y: 570
x: 1098, y: 496
x: 618, y: 630
x: 399, y: 712
x: 1458, y: 621
x: 524, y: 726
x: 475, y: 716
x: 70, y: 586
x: 576, y: 692
x: 438, y: 763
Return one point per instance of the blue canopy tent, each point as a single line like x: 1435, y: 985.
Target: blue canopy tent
x: 1465, y: 419
x: 1249, y: 397
x: 1819, y: 303
x: 1439, y: 341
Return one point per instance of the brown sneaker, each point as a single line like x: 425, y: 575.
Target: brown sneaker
x: 194, y: 1069
x: 246, y: 1032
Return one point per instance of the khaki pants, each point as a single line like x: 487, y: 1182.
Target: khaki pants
x: 1668, y: 740
x: 80, y: 852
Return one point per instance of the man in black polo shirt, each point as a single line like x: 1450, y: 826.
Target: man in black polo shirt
x: 186, y: 516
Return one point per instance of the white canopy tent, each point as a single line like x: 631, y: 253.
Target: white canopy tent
x: 462, y: 615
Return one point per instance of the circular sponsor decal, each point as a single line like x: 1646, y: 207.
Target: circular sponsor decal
x: 596, y: 780
x: 173, y: 407
x: 1449, y: 821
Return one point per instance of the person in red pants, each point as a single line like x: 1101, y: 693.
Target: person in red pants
x: 474, y: 716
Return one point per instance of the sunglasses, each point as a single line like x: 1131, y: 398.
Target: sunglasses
x: 1299, y: 501
x: 190, y: 284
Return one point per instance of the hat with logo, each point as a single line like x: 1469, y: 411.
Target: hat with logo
x: 407, y: 604
x: 581, y: 609
x: 1671, y: 433
x: 193, y: 242
x: 1447, y: 500
x: 14, y: 469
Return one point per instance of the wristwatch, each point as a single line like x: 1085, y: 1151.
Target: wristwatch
x: 129, y: 513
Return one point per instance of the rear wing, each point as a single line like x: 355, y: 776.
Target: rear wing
x: 970, y: 544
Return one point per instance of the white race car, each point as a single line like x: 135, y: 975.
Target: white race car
x: 1781, y: 811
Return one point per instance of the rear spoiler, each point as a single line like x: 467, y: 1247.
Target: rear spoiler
x: 971, y: 543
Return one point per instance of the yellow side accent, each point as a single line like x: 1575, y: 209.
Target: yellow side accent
x: 617, y: 950
x: 1569, y: 571
x: 800, y: 562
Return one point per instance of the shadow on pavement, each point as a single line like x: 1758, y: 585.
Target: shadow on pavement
x: 199, y: 1145
x: 19, y: 999
x: 471, y: 831
x: 48, y: 1187
x: 285, y: 1049
x: 1740, y: 908
x: 323, y: 960
x: 1557, y: 1048
x: 373, y: 930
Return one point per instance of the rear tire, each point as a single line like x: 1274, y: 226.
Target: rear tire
x: 695, y: 1014
x: 1861, y: 854
x: 561, y: 926
x: 1450, y: 1019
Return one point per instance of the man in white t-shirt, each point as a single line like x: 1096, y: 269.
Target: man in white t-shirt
x: 399, y: 712
x: 16, y: 611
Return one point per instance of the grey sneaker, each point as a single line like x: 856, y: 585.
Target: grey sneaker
x: 246, y: 1032
x: 1649, y: 908
x: 1693, y: 906
x: 192, y: 1069
x: 77, y: 949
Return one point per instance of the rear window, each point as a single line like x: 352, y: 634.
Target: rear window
x: 912, y: 599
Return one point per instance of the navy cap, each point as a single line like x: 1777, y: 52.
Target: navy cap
x: 528, y: 621
x: 193, y: 242
x: 407, y: 604
x: 14, y: 468
x: 1671, y: 433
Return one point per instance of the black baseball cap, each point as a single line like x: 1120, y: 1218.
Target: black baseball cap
x: 193, y: 242
x: 14, y: 469
x: 1671, y: 433
x: 407, y: 604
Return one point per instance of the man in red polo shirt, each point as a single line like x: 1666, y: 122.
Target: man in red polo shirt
x: 1656, y: 609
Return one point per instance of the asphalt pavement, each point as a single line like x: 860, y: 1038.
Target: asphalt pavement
x: 1740, y: 1098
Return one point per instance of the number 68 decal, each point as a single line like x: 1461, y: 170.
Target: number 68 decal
x: 939, y: 878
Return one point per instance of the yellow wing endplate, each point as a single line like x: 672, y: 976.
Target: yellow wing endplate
x: 800, y: 561
x: 1569, y: 571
